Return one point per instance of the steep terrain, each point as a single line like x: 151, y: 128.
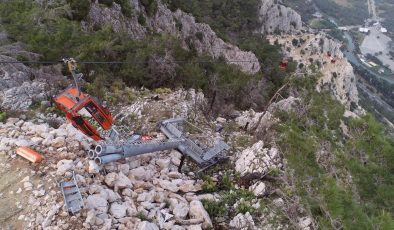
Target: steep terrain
x: 304, y: 154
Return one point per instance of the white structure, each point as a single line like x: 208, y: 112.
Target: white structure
x: 383, y: 30
x: 363, y: 30
x: 343, y: 28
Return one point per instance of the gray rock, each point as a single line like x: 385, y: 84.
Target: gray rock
x: 194, y: 227
x: 278, y: 17
x: 48, y: 220
x: 168, y: 185
x: 163, y: 163
x: 91, y: 217
x: 258, y: 189
x: 110, y: 179
x: 124, y: 168
x: 304, y: 222
x: 110, y: 195
x: 181, y: 210
x: 141, y: 173
x: 197, y: 211
x: 145, y: 225
x: 97, y: 202
x: 242, y: 222
x: 118, y: 210
x: 63, y: 166
x: 257, y: 159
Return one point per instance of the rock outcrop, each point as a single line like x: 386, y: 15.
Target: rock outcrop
x: 275, y: 17
x: 257, y: 160
x: 325, y: 54
x: 179, y: 24
x: 21, y: 86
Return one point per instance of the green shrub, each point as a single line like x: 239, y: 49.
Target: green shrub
x: 106, y: 2
x: 199, y: 36
x: 208, y: 185
x: 244, y: 207
x: 142, y: 19
x: 150, y: 6
x: 162, y: 90
x: 80, y: 8
x: 214, y: 208
x: 3, y: 116
x: 127, y: 9
x: 226, y: 182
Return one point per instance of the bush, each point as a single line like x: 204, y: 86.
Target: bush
x: 3, y: 116
x: 162, y: 90
x: 150, y: 6
x: 80, y: 8
x: 208, y: 185
x: 142, y: 19
x: 214, y: 208
x: 127, y: 9
x: 106, y: 2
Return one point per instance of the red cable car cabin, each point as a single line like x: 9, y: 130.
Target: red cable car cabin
x: 283, y: 64
x: 71, y: 102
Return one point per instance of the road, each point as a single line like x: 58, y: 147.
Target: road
x: 372, y: 10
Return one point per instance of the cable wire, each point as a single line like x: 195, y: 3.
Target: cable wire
x: 129, y: 62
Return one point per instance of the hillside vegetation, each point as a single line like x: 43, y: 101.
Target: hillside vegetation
x: 344, y: 176
x: 54, y: 31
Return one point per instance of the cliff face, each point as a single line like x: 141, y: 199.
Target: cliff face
x: 337, y: 73
x: 178, y: 24
x: 276, y: 17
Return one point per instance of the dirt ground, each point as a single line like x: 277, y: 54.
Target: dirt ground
x: 14, y: 204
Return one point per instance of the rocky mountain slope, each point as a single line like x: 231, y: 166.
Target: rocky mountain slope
x: 145, y: 192
x: 178, y: 24
x: 309, y: 159
x: 325, y: 56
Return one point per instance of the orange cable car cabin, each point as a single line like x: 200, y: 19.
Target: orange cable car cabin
x: 72, y: 101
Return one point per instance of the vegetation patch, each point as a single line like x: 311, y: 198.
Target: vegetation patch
x: 343, y: 180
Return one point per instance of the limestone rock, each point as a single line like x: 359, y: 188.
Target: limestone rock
x: 304, y: 223
x: 276, y: 17
x: 91, y: 217
x: 163, y: 163
x: 118, y: 210
x: 58, y: 142
x: 197, y: 211
x: 145, y: 225
x: 110, y: 179
x: 63, y: 166
x: 243, y: 222
x: 168, y: 185
x: 258, y: 189
x: 97, y: 202
x: 180, y: 210
x: 52, y: 212
x: 257, y: 159
x: 194, y: 227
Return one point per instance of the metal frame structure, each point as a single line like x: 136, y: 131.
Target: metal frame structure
x: 72, y: 196
x: 204, y: 157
